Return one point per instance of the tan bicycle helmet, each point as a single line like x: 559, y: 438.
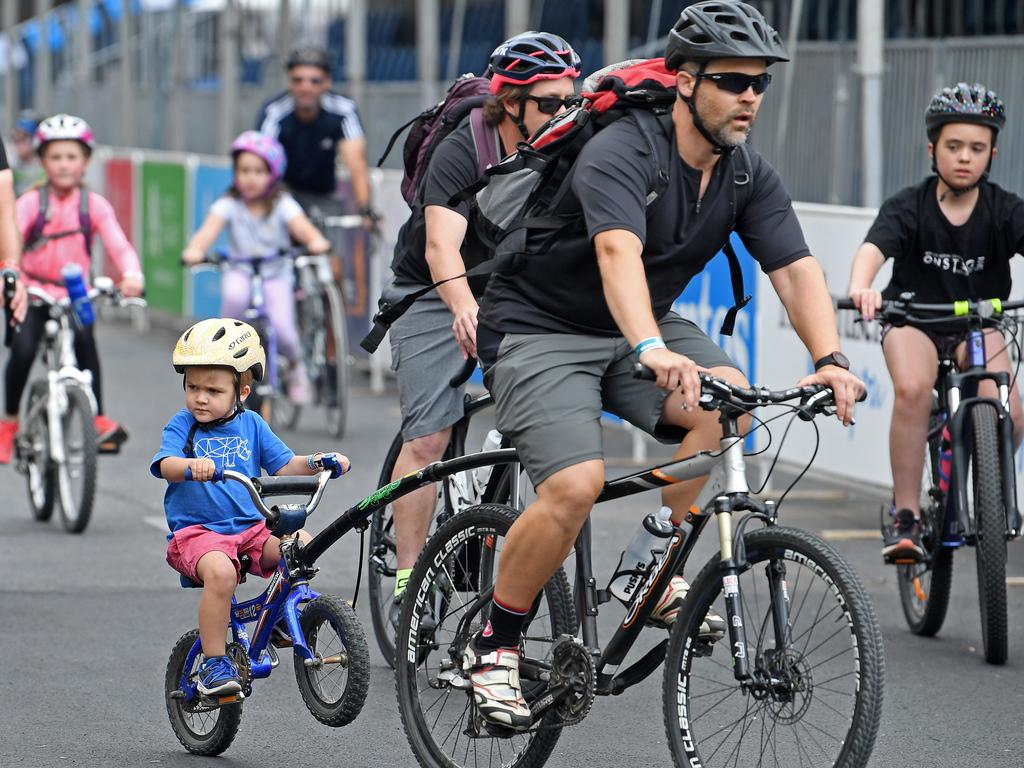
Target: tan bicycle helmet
x: 224, y: 342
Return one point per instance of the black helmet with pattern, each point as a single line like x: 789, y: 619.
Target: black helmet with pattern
x: 722, y: 30
x: 965, y: 103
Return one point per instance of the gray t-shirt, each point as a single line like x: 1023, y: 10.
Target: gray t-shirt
x: 560, y: 291
x: 253, y: 236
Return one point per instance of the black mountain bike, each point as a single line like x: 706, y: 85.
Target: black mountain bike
x: 797, y: 682
x: 976, y: 505
x: 457, y: 492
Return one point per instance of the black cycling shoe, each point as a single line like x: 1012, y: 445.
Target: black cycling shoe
x: 902, y: 540
x: 427, y: 623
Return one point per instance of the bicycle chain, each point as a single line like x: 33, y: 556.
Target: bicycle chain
x: 571, y: 662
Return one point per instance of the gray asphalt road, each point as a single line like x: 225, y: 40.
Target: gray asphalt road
x: 87, y: 622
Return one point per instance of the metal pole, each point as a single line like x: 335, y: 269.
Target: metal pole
x: 7, y: 22
x: 228, y: 46
x: 355, y: 51
x: 616, y: 32
x: 83, y: 68
x: 175, y: 118
x: 654, y: 23
x: 428, y: 40
x: 284, y: 29
x: 125, y: 106
x: 871, y: 63
x: 455, y: 43
x: 41, y: 81
x: 517, y: 17
x: 789, y: 69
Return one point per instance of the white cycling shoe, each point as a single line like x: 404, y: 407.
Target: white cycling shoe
x: 665, y: 612
x: 496, y: 688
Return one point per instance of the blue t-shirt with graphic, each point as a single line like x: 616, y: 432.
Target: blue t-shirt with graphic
x: 245, y: 444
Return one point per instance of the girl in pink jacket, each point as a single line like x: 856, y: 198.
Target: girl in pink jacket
x: 57, y: 228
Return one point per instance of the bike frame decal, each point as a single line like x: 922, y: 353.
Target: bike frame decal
x: 380, y: 494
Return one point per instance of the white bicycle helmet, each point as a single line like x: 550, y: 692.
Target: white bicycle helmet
x: 221, y: 341
x: 63, y: 127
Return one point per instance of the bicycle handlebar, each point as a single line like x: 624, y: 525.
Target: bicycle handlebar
x: 258, y: 487
x: 814, y: 399
x: 10, y: 278
x: 902, y: 309
x: 102, y: 286
x: 219, y: 258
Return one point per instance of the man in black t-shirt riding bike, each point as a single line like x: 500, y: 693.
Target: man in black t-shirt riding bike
x: 561, y: 335
x: 951, y: 238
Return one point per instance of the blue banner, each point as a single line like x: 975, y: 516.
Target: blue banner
x: 209, y: 183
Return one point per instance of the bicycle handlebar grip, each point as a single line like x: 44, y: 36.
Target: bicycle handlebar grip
x: 286, y: 486
x: 463, y: 375
x: 641, y: 371
x: 218, y: 474
x: 10, y: 282
x: 845, y: 304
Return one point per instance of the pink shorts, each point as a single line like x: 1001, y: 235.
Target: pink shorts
x: 188, y: 545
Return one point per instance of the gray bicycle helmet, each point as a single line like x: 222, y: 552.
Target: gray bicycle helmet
x: 964, y: 103
x: 722, y: 30
x: 309, y: 56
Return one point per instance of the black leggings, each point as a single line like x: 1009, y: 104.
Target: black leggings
x: 23, y: 353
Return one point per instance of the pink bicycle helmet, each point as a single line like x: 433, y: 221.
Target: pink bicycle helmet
x: 267, y: 148
x: 532, y: 56
x: 63, y: 128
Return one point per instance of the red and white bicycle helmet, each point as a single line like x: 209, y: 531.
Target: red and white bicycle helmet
x: 532, y: 56
x: 265, y: 147
x: 63, y: 127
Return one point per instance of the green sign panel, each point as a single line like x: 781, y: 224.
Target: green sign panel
x: 163, y: 234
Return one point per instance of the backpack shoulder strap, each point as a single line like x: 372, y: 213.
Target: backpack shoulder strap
x: 84, y: 219
x: 654, y: 127
x: 485, y: 140
x: 35, y: 232
x: 742, y: 194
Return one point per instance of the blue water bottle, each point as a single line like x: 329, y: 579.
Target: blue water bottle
x: 72, y: 274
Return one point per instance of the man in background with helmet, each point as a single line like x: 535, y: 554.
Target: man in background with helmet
x: 951, y: 237
x: 316, y: 126
x: 25, y: 163
x: 558, y: 356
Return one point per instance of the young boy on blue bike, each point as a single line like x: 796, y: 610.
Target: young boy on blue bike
x: 213, y: 524
x: 951, y: 238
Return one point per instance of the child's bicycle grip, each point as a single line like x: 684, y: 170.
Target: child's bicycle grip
x: 218, y: 474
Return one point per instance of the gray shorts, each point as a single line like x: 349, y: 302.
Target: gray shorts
x: 549, y: 391
x: 425, y: 356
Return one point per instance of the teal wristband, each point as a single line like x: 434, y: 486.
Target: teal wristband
x: 654, y: 342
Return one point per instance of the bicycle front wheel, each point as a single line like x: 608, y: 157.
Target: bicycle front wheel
x: 990, y: 528
x: 76, y: 477
x: 817, y: 701
x: 457, y: 565
x: 33, y: 444
x: 924, y: 587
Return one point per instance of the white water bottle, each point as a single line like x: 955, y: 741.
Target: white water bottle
x: 491, y: 443
x: 648, y: 544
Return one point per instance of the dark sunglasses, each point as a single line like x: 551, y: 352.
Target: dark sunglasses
x: 296, y: 80
x: 737, y: 82
x: 548, y: 105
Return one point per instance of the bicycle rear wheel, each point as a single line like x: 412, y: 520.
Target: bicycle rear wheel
x: 33, y: 445
x: 433, y: 695
x: 990, y: 527
x: 76, y: 477
x: 924, y: 587
x: 816, y: 702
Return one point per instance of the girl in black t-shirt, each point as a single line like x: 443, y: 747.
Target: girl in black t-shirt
x: 950, y: 238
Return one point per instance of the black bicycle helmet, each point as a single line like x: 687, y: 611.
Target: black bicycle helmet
x: 532, y: 56
x: 964, y: 103
x: 722, y: 30
x: 309, y: 56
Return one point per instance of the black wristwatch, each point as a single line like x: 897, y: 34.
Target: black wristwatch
x: 838, y: 359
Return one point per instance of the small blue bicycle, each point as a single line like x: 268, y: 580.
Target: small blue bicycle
x: 330, y: 654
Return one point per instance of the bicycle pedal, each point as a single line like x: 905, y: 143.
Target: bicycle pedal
x: 232, y: 699
x: 109, y: 447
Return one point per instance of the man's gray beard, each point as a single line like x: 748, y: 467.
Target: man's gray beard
x: 729, y: 139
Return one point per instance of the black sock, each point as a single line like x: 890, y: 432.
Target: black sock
x: 503, y: 630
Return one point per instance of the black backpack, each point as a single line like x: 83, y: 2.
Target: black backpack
x: 519, y: 198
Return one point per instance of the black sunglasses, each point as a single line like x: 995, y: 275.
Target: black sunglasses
x: 549, y: 105
x: 737, y: 82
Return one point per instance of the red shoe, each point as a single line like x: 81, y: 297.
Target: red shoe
x: 8, y: 429
x: 109, y: 434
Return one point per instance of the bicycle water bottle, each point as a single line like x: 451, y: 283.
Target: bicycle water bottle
x: 72, y: 275
x: 491, y: 443
x: 945, y: 460
x: 648, y: 544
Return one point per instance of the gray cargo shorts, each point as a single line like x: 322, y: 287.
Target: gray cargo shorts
x: 550, y: 388
x: 425, y: 355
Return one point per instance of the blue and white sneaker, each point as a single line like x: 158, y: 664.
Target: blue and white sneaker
x: 218, y: 677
